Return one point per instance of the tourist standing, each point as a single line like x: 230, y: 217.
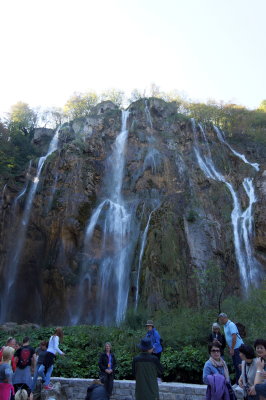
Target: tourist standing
x: 215, y: 364
x: 233, y: 340
x: 107, y: 365
x: 155, y: 338
x: 146, y: 368
x: 217, y: 336
x: 26, y: 360
x: 6, y: 373
x: 11, y: 342
x: 46, y: 369
x: 40, y: 353
x: 216, y: 376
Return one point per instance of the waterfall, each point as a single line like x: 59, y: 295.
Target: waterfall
x: 23, y: 191
x: 242, y: 221
x: 148, y: 114
x: 18, y: 241
x: 114, y: 219
x: 142, y: 248
x: 152, y: 160
x: 221, y: 137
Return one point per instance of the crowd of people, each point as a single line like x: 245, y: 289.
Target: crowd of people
x: 249, y: 364
x: 18, y: 363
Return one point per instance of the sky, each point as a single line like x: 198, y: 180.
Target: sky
x: 205, y: 49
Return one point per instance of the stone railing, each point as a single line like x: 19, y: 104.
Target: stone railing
x: 75, y: 389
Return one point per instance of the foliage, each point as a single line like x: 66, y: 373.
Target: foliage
x: 80, y: 104
x: 116, y: 96
x: 16, y: 150
x: 184, y: 334
x: 22, y: 118
x: 51, y: 117
x: 211, y: 285
x: 249, y: 312
x: 262, y: 106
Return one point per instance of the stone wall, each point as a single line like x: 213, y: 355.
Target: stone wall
x: 75, y: 389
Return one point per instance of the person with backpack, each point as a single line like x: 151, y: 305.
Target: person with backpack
x: 155, y: 338
x: 233, y: 340
x: 26, y: 360
x: 146, y: 369
x: 46, y: 369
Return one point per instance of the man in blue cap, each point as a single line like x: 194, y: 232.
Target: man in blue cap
x: 146, y: 369
x: 155, y: 338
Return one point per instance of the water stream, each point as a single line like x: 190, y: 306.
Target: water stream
x: 148, y: 114
x: 18, y: 241
x: 242, y: 220
x: 111, y: 224
x: 143, y: 240
x: 221, y: 137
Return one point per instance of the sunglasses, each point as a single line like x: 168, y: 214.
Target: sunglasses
x: 215, y: 351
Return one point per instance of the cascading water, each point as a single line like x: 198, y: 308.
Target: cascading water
x: 242, y: 221
x: 114, y: 220
x: 221, y: 137
x: 148, y: 114
x: 23, y: 191
x: 17, y: 244
x: 152, y: 160
x: 142, y: 248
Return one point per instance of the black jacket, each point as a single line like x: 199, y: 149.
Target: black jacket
x: 103, y: 362
x: 220, y: 338
x: 96, y: 392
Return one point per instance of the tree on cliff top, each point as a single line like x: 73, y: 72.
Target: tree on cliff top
x: 22, y: 118
x: 114, y: 95
x: 262, y: 106
x: 80, y: 104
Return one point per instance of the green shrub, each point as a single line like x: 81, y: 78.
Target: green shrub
x: 184, y: 334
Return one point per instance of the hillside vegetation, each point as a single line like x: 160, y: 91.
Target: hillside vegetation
x: 17, y: 129
x: 184, y: 333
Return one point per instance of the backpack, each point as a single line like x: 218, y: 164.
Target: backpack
x: 24, y: 358
x: 241, y: 329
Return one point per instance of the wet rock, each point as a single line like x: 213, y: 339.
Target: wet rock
x: 190, y: 227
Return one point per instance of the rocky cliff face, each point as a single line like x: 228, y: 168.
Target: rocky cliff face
x: 180, y: 245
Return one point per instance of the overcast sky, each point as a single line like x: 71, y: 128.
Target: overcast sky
x: 204, y: 48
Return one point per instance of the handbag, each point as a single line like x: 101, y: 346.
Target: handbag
x: 231, y: 391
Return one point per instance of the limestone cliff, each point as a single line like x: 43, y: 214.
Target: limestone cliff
x: 180, y: 241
